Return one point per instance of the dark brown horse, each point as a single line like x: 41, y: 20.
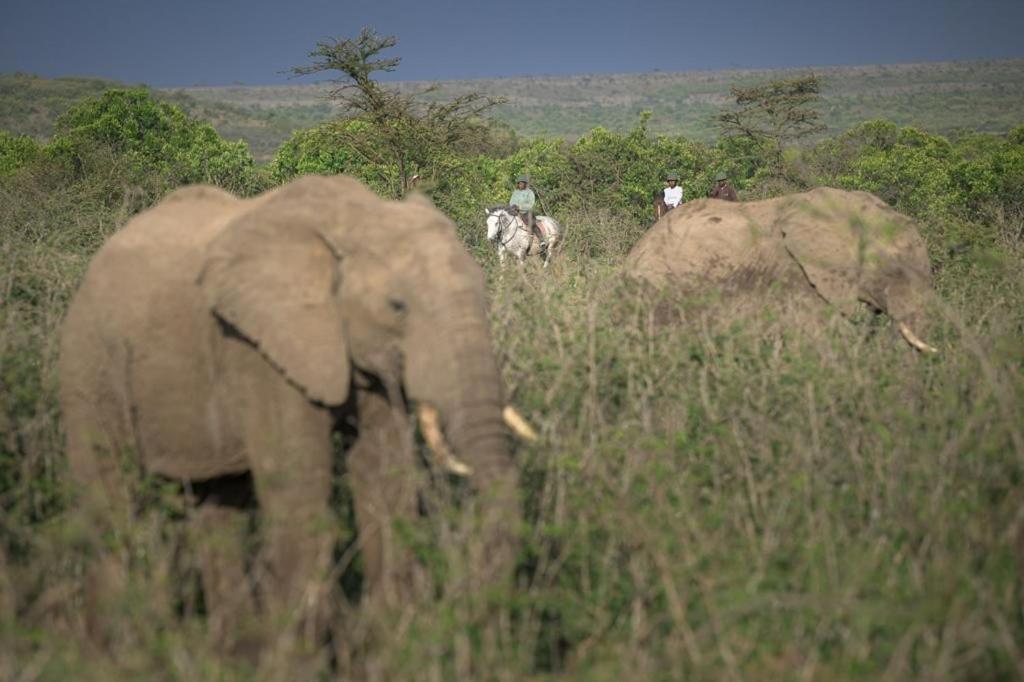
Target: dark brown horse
x: 660, y: 207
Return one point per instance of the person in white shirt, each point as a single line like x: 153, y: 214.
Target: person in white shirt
x: 673, y: 193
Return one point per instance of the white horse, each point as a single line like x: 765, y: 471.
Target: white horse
x: 508, y: 231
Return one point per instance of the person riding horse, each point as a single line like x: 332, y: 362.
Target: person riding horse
x: 722, y: 189
x: 523, y: 200
x: 673, y: 195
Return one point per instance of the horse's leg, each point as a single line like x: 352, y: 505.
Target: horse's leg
x: 523, y: 249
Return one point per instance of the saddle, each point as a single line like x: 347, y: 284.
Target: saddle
x: 535, y: 227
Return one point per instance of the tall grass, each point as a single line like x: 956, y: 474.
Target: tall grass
x: 724, y: 495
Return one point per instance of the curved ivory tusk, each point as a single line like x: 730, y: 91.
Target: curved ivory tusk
x: 914, y: 340
x: 519, y: 426
x: 430, y: 423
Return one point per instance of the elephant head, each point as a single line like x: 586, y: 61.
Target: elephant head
x: 334, y: 285
x: 853, y: 248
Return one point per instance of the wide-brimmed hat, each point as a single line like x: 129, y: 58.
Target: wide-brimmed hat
x: 721, y: 176
x: 523, y: 178
x: 672, y: 176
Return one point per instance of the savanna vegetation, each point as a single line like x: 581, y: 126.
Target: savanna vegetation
x: 720, y: 497
x: 940, y: 97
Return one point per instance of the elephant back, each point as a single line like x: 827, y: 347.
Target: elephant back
x: 707, y: 240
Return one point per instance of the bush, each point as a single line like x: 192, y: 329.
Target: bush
x: 327, y: 149
x: 621, y: 172
x: 16, y: 151
x: 157, y: 139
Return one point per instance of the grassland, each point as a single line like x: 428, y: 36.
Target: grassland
x: 725, y: 496
x: 938, y: 97
x: 722, y: 497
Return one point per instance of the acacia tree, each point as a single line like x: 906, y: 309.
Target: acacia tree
x: 774, y: 114
x: 402, y: 129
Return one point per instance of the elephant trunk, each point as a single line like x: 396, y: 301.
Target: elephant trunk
x: 466, y: 404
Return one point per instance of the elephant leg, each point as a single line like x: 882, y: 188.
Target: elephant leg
x: 221, y: 523
x: 288, y: 441
x: 382, y: 478
x: 98, y: 432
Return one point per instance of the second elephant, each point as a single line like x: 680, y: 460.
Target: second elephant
x: 845, y: 248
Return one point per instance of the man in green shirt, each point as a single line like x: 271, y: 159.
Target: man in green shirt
x: 523, y: 199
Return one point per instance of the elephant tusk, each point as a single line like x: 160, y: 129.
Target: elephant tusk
x: 430, y: 424
x: 914, y: 340
x: 519, y: 426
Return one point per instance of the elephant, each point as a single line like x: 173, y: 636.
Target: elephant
x: 224, y: 343
x: 842, y: 248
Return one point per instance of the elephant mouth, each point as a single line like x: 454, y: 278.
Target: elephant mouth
x: 433, y: 434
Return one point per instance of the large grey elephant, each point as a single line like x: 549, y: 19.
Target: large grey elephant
x: 843, y: 248
x: 223, y: 343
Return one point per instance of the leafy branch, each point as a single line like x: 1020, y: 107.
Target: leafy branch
x: 411, y: 133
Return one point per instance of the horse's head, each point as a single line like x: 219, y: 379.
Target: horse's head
x: 498, y: 217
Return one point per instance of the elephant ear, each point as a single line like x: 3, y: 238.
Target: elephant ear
x: 826, y: 246
x: 274, y: 278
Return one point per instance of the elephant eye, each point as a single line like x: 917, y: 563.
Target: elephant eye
x: 397, y: 305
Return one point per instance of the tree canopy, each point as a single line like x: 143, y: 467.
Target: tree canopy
x: 403, y: 129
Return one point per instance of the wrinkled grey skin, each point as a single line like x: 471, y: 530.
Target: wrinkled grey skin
x: 214, y: 337
x: 844, y: 248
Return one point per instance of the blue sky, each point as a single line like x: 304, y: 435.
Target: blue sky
x: 219, y: 42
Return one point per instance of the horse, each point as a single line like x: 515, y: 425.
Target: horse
x: 507, y: 229
x: 660, y: 207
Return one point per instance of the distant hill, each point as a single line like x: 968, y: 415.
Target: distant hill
x: 29, y: 104
x: 939, y: 97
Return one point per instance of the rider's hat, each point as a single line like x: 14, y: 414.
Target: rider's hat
x: 721, y: 176
x: 672, y: 176
x: 523, y: 178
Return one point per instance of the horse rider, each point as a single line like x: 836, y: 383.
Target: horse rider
x: 673, y: 194
x: 722, y: 189
x: 523, y: 200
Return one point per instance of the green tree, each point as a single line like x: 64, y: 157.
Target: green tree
x: 774, y: 114
x: 16, y: 151
x: 328, y: 149
x: 154, y: 138
x: 404, y: 130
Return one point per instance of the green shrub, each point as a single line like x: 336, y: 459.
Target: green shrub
x: 328, y: 149
x: 16, y: 151
x: 157, y: 139
x: 621, y: 172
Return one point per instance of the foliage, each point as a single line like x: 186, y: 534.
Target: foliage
x: 155, y: 138
x: 775, y: 114
x: 29, y: 104
x: 976, y: 177
x: 621, y: 172
x: 16, y: 151
x: 400, y: 129
x: 327, y: 150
